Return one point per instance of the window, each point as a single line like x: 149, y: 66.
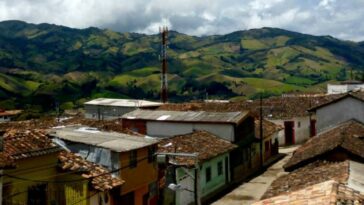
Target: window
x: 208, y: 174
x: 298, y: 124
x: 219, y: 168
x: 133, y: 159
x: 151, y: 152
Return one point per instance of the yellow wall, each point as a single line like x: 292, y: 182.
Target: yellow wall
x: 137, y: 177
x: 43, y: 170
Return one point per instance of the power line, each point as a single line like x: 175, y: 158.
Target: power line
x: 68, y: 181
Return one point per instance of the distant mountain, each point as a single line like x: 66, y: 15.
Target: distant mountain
x: 47, y: 64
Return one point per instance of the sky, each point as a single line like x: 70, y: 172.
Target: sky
x: 342, y: 19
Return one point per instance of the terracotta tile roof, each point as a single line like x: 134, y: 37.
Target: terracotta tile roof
x: 356, y: 95
x: 46, y: 123
x: 308, y: 175
x: 284, y: 107
x: 345, y: 135
x: 204, y: 143
x: 6, y: 161
x: 269, y: 128
x: 325, y: 193
x: 101, y: 178
x: 9, y: 112
x: 29, y: 143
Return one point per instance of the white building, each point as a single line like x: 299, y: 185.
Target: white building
x: 108, y: 108
x: 340, y: 109
x: 344, y: 87
x: 297, y: 130
x: 231, y: 126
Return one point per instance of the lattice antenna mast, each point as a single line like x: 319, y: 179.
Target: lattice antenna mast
x: 164, y: 81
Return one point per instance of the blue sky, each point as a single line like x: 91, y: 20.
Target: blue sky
x: 343, y: 19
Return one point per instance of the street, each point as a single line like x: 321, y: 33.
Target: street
x: 252, y: 191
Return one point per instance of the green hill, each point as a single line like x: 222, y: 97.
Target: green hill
x: 61, y: 65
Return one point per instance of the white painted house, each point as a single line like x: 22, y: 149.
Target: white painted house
x: 108, y: 108
x: 231, y: 126
x: 345, y: 87
x: 297, y: 130
x: 339, y: 110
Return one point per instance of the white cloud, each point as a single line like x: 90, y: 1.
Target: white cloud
x: 343, y: 19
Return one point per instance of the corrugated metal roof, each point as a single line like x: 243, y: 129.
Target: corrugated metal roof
x: 122, y: 102
x: 117, y: 142
x: 187, y: 116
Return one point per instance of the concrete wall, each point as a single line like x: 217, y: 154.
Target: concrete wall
x: 338, y: 112
x: 185, y: 177
x: 168, y: 129
x: 106, y: 112
x: 301, y: 128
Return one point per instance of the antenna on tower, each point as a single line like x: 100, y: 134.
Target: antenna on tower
x: 164, y: 81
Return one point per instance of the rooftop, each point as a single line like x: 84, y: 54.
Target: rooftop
x: 336, y: 98
x: 29, y: 143
x: 284, y: 107
x: 122, y: 102
x: 187, y: 116
x: 101, y: 178
x: 309, y: 175
x: 118, y: 142
x: 269, y: 128
x: 325, y: 193
x: 205, y: 144
x: 345, y: 135
x: 10, y: 112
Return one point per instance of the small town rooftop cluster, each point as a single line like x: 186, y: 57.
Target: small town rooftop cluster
x: 140, y: 152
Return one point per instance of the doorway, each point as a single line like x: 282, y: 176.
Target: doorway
x: 289, y: 132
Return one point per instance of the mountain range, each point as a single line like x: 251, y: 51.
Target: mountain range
x: 43, y: 66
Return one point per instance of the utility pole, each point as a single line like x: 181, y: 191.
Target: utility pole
x: 164, y: 80
x: 261, y: 128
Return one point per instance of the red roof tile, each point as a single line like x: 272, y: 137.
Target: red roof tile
x: 345, y: 135
x: 284, y: 107
x: 29, y: 143
x: 269, y: 128
x: 204, y: 143
x: 101, y: 178
x: 308, y: 175
x: 325, y: 193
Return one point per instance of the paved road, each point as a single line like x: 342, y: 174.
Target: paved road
x: 253, y: 190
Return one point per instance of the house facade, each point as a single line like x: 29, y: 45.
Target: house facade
x: 202, y: 177
x: 270, y: 138
x: 108, y: 108
x: 339, y: 110
x: 235, y: 127
x: 130, y: 157
x: 40, y: 178
x: 296, y: 130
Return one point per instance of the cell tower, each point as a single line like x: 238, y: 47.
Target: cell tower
x: 164, y: 81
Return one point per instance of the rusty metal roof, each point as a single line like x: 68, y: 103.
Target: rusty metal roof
x: 187, y: 116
